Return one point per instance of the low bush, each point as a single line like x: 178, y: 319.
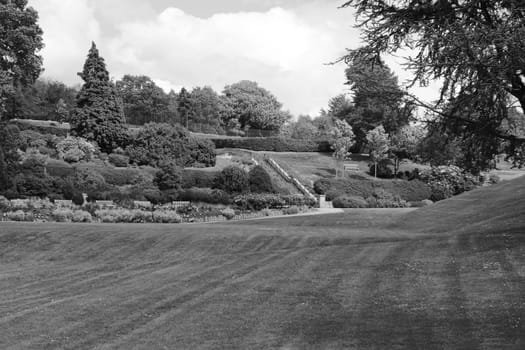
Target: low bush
x: 76, y: 149
x: 168, y: 177
x: 228, y: 213
x: 384, y: 199
x: 291, y: 210
x: 118, y: 160
x: 232, y: 179
x: 20, y: 215
x: 448, y: 181
x: 259, y: 201
x: 349, y: 202
x: 166, y: 217
x: 260, y: 180
x: 273, y: 144
x: 494, y: 179
x: 204, y: 195
x: 198, y: 178
x: 81, y: 216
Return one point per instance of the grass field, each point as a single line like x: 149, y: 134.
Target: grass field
x: 448, y: 276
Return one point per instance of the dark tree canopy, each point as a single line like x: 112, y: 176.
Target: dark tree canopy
x: 144, y: 101
x: 475, y: 47
x: 20, y: 40
x: 99, y: 115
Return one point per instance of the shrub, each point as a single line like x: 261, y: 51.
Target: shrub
x: 232, y: 179
x: 291, y: 210
x: 77, y: 198
x: 384, y: 199
x: 198, y: 178
x: 256, y: 201
x: 205, y: 195
x: 62, y: 215
x: 76, y: 149
x: 19, y: 215
x: 273, y: 144
x: 88, y: 180
x: 168, y: 177
x: 29, y: 185
x: 494, y: 179
x: 228, y: 213
x: 166, y: 217
x: 447, y: 181
x: 260, y: 180
x: 349, y: 202
x: 118, y: 160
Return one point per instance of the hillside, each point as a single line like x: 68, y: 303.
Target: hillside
x: 451, y: 276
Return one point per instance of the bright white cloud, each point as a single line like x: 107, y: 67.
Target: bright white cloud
x: 284, y: 49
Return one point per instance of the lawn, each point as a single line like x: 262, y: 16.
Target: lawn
x: 448, y: 276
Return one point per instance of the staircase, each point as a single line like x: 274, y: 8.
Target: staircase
x: 290, y: 179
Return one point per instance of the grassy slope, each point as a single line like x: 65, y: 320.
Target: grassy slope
x: 366, y: 279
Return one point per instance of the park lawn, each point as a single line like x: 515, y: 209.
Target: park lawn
x: 363, y: 279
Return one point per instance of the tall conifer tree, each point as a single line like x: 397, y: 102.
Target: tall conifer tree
x: 99, y: 115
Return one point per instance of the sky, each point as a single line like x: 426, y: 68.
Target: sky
x: 286, y: 46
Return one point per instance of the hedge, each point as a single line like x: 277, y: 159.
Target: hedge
x: 198, y: 178
x: 273, y: 144
x: 410, y: 191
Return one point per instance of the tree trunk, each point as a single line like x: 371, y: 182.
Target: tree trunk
x: 375, y: 169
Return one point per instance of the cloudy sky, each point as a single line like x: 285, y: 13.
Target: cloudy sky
x: 284, y: 45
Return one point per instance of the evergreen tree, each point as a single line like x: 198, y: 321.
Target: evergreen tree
x: 99, y: 115
x: 184, y: 107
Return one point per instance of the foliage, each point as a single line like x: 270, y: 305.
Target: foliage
x: 272, y: 144
x: 204, y: 195
x: 155, y: 144
x: 407, y: 190
x: 291, y: 210
x: 260, y: 180
x: 345, y: 201
x: 341, y: 139
x: 259, y: 201
x: 378, y: 144
x: 198, y: 178
x: 302, y: 129
x: 118, y: 160
x: 168, y: 177
x: 447, y: 181
x: 382, y: 169
x: 232, y: 179
x: 474, y: 48
x: 254, y: 107
x: 20, y: 215
x: 383, y: 199
x: 143, y: 101
x: 404, y: 143
x: 228, y: 213
x: 166, y: 217
x: 207, y: 109
x: 494, y: 179
x: 20, y: 40
x: 88, y: 181
x: 76, y: 149
x: 99, y: 115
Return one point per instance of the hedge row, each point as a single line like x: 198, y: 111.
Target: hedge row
x: 411, y: 191
x: 273, y: 144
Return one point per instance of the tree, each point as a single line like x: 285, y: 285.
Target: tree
x: 254, y: 107
x: 207, y: 108
x: 377, y: 100
x: 341, y: 140
x: 303, y: 129
x: 404, y: 143
x: 184, y: 107
x: 169, y: 177
x: 475, y: 48
x: 260, y: 180
x: 378, y: 144
x: 20, y: 40
x: 143, y: 100
x: 232, y: 179
x: 99, y: 115
x: 156, y: 144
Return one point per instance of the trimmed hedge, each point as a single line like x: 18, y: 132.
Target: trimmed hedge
x: 410, y: 191
x: 198, y: 178
x: 204, y: 195
x: 273, y: 144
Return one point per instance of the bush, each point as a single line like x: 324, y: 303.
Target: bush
x: 168, y: 177
x: 232, y: 179
x: 258, y: 202
x: 76, y: 149
x: 118, y: 160
x: 19, y: 215
x: 204, y: 195
x: 291, y: 211
x: 198, y: 178
x: 448, y: 181
x: 124, y: 216
x: 29, y: 185
x: 384, y: 199
x: 494, y: 179
x: 62, y: 215
x: 77, y: 198
x: 349, y: 202
x: 88, y: 180
x: 228, y: 213
x: 260, y: 180
x: 166, y: 217
x: 273, y: 144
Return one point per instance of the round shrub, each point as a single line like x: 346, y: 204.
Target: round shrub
x: 494, y: 179
x: 118, y: 160
x: 228, y: 213
x: 349, y: 202
x: 232, y: 180
x: 169, y: 177
x: 77, y: 198
x: 81, y: 216
x: 291, y: 211
x: 260, y: 180
x: 76, y: 149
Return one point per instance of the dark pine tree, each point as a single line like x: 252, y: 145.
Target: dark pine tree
x: 99, y: 115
